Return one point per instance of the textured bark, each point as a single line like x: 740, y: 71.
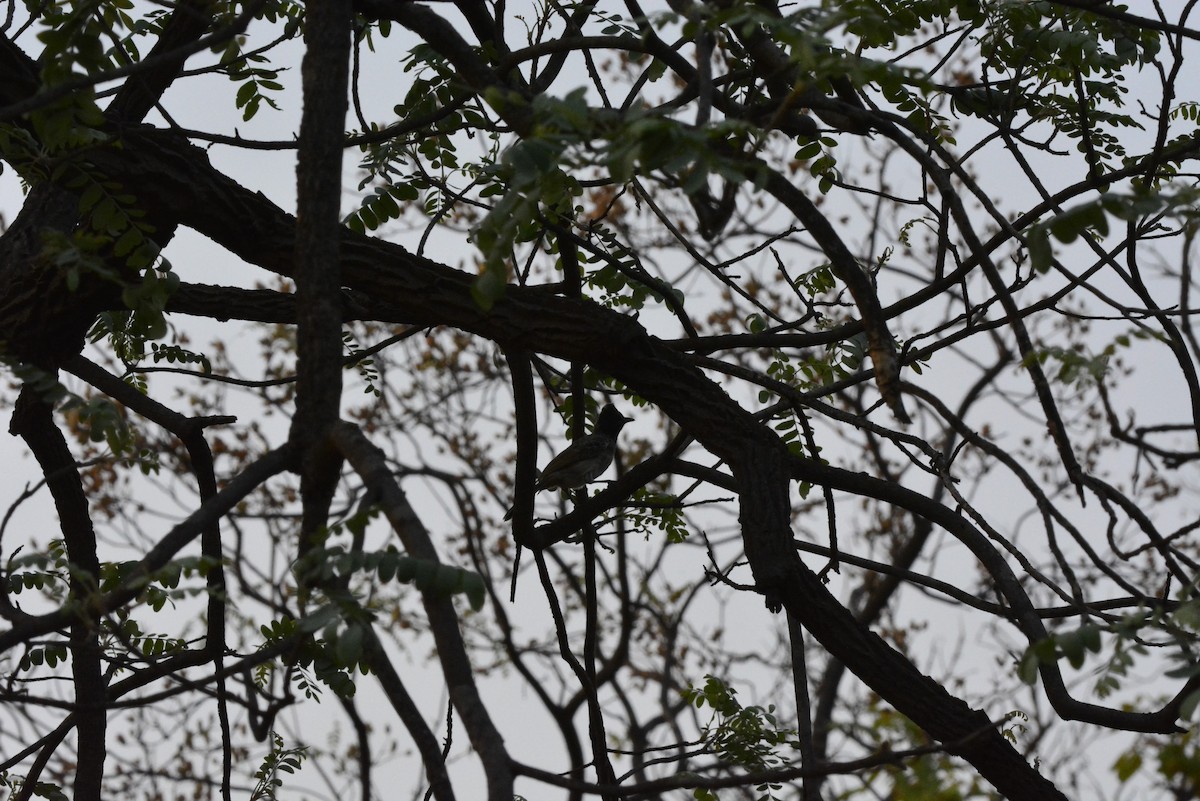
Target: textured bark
x: 42, y: 321
x: 325, y: 72
x: 33, y: 421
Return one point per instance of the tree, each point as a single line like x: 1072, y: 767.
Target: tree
x: 844, y: 263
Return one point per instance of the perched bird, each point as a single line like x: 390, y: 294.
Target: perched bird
x: 585, y: 458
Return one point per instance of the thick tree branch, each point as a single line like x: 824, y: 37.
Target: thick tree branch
x: 369, y: 462
x: 318, y: 279
x: 33, y: 421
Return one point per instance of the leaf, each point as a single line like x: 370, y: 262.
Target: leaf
x: 475, y: 590
x: 1032, y: 659
x: 406, y: 191
x: 126, y: 243
x: 319, y: 619
x: 1041, y: 254
x: 1127, y: 764
x: 1072, y: 648
x: 386, y: 207
x: 489, y: 287
x: 1187, y: 709
x: 368, y: 218
x: 808, y: 151
x: 349, y: 649
x: 1068, y: 226
x: 246, y: 93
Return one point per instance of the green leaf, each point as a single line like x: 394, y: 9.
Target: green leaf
x: 1068, y: 226
x: 489, y: 287
x: 1041, y: 254
x: 1033, y: 658
x: 368, y: 218
x: 127, y: 242
x: 1072, y: 648
x: 245, y: 93
x: 475, y: 590
x: 350, y: 644
x: 1127, y: 764
x: 1187, y: 709
x: 404, y: 191
x: 319, y: 619
x: 809, y: 151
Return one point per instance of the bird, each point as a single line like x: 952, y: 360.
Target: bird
x: 586, y: 458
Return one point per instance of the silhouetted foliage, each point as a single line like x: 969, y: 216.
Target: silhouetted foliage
x: 898, y: 296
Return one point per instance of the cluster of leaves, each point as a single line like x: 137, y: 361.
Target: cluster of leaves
x: 115, y: 243
x: 16, y: 785
x: 1073, y: 645
x: 279, y: 760
x: 821, y: 162
x: 1070, y: 69
x: 336, y: 564
x: 73, y: 43
x: 129, y: 332
x: 149, y: 645
x: 49, y: 655
x: 917, y: 108
x: 364, y: 364
x: 115, y: 246
x: 251, y: 69
x: 49, y: 573
x: 613, y: 286
x: 839, y: 360
x: 880, y: 24
x: 331, y: 658
x: 1091, y: 218
x: 747, y: 736
x: 789, y: 426
x: 177, y: 354
x: 113, y: 213
x: 870, y: 25
x: 75, y: 34
x: 658, y: 510
x: 1126, y: 638
x: 1178, y: 764
x: 97, y: 419
x: 343, y: 622
x: 163, y: 585
x: 383, y: 204
x: 1075, y: 366
x: 400, y: 165
x: 538, y: 191
x: 42, y: 571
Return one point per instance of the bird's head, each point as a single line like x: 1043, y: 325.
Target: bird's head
x: 611, y: 421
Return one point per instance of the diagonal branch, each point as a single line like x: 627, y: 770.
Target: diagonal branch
x: 371, y: 465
